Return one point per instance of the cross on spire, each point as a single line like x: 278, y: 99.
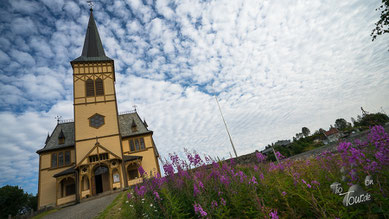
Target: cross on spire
x: 91, y: 4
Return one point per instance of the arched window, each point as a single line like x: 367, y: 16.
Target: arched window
x: 85, y: 183
x: 132, y: 171
x: 99, y: 87
x: 90, y: 89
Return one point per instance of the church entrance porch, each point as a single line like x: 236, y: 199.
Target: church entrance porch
x: 101, y: 180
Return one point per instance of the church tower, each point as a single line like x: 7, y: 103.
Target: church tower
x: 102, y: 150
x: 96, y: 122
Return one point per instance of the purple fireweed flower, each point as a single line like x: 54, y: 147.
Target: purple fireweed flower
x: 273, y: 214
x: 201, y: 185
x: 156, y: 195
x: 141, y: 171
x: 195, y: 190
x: 140, y: 191
x: 199, y: 209
x: 232, y: 161
x: 279, y: 155
x: 168, y: 168
x: 283, y: 193
x: 315, y: 182
x: 260, y: 157
x: 214, y: 204
x: 307, y: 184
x: 129, y: 196
x: 224, y: 180
x: 253, y: 180
x: 222, y: 201
x: 261, y: 176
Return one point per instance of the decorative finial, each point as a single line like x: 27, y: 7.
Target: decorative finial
x: 134, y: 107
x: 91, y: 4
x: 58, y: 118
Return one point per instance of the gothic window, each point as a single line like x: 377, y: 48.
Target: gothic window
x: 99, y: 87
x: 60, y: 159
x: 90, y: 89
x: 142, y: 143
x: 54, y: 160
x: 96, y: 120
x: 132, y: 171
x: 67, y: 157
x: 132, y: 146
x: 137, y: 144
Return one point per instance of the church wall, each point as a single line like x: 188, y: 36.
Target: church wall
x: 84, y: 112
x: 149, y: 161
x: 111, y: 143
x: 45, y: 161
x: 47, y: 186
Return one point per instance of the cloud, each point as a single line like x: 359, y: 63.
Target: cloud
x: 275, y: 66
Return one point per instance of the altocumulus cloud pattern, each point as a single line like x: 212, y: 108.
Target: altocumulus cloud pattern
x: 275, y: 66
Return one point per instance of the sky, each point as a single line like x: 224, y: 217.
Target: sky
x: 275, y: 66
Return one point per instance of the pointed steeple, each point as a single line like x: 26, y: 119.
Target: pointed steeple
x: 145, y: 123
x: 93, y: 48
x: 48, y: 138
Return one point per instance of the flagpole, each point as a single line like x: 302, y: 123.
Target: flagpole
x: 225, y: 124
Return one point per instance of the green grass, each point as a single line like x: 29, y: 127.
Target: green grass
x: 112, y: 211
x: 41, y: 215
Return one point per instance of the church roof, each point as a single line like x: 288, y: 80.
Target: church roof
x: 93, y: 48
x: 131, y: 157
x: 65, y: 172
x: 125, y: 122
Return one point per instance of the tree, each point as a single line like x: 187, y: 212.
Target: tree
x: 305, y: 131
x: 382, y: 26
x: 373, y: 119
x: 341, y: 124
x: 13, y: 201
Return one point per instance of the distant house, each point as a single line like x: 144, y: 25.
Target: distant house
x: 282, y: 143
x: 331, y: 135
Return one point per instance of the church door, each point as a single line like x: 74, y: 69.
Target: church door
x: 101, y: 179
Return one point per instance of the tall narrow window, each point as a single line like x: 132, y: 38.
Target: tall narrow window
x: 90, y: 89
x: 67, y: 157
x: 142, y: 143
x: 137, y: 144
x: 60, y: 159
x: 132, y: 147
x: 99, y: 87
x: 54, y: 160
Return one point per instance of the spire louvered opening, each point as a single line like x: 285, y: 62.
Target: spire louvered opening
x: 90, y: 89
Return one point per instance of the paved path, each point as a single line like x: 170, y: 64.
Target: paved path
x: 84, y: 210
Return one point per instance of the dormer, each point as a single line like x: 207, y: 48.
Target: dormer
x: 61, y: 138
x: 133, y: 126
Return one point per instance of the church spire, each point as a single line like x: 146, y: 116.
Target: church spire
x: 93, y: 48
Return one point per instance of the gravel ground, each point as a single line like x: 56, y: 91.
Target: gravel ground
x: 84, y: 210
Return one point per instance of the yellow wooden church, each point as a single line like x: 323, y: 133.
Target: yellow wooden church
x: 100, y: 151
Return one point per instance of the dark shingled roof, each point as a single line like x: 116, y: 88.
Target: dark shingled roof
x: 93, y: 48
x: 65, y: 172
x: 125, y: 123
x: 52, y: 143
x: 130, y: 158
